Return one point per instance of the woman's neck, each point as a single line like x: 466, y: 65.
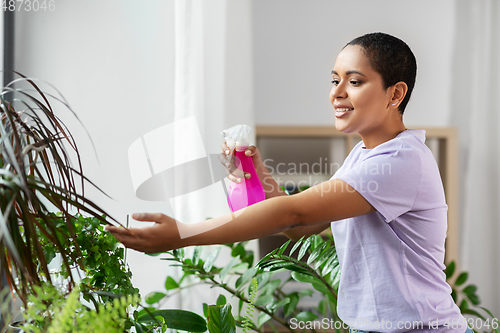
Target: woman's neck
x: 379, y: 136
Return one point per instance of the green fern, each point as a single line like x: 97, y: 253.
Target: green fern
x: 247, y: 320
x: 53, y: 312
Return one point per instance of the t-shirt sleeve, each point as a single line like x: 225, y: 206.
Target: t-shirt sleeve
x: 388, y: 179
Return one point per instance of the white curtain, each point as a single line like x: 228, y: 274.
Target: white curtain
x: 476, y: 112
x: 212, y: 39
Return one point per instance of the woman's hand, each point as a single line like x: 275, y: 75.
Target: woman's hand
x: 162, y: 236
x: 233, y: 173
x: 271, y: 188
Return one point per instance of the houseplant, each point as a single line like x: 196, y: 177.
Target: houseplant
x: 312, y: 262
x: 41, y: 173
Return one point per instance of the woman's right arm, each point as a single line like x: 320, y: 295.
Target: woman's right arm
x: 272, y: 190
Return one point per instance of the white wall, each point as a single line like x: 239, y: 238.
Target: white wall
x: 111, y: 62
x: 296, y: 43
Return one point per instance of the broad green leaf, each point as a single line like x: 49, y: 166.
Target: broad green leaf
x: 170, y: 283
x: 238, y: 250
x: 138, y: 326
x: 317, y: 240
x: 221, y: 300
x: 296, y: 245
x: 228, y: 267
x: 271, y: 287
x: 266, y: 258
x: 283, y: 248
x: 196, y: 254
x: 240, y: 266
x: 317, y: 251
x: 464, y: 305
x: 240, y: 307
x: 470, y: 290
x: 262, y: 280
x: 330, y: 265
x: 454, y: 295
x: 247, y: 276
x: 278, y: 264
x: 306, y: 316
x: 144, y: 311
x: 305, y: 246
x: 461, y: 279
x: 336, y: 279
x: 327, y: 255
x: 488, y: 311
x: 179, y: 253
x: 205, y: 309
x: 450, y: 269
x: 262, y: 319
x: 177, y: 319
x: 154, y: 254
x: 290, y: 307
x: 323, y: 307
x: 472, y: 312
x: 211, y: 259
x: 220, y: 319
x: 154, y: 297
x: 319, y: 286
x: 300, y: 277
x: 305, y: 292
x: 474, y: 299
x: 264, y: 300
x: 276, y: 305
x: 332, y: 299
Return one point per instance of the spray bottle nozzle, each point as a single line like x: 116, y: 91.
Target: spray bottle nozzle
x: 236, y: 136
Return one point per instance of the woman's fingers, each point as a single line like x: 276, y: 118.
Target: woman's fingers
x: 160, y: 237
x: 233, y: 173
x: 118, y: 230
x: 251, y: 150
x: 225, y: 149
x: 150, y: 217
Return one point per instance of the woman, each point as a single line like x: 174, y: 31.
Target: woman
x: 386, y: 202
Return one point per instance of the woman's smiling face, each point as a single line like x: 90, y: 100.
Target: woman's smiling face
x: 358, y: 96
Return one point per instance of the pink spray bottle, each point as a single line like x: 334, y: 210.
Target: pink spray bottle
x: 249, y: 191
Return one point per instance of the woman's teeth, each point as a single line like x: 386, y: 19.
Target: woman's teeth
x: 344, y: 109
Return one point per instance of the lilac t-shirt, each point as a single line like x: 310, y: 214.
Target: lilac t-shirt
x: 391, y: 260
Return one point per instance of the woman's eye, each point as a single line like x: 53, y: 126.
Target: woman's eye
x: 335, y: 82
x: 355, y: 82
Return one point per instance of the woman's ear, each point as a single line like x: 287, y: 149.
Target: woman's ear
x: 398, y: 93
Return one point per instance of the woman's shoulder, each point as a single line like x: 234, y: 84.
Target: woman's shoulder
x: 410, y: 144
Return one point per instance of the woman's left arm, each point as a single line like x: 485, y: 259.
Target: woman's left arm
x: 329, y: 201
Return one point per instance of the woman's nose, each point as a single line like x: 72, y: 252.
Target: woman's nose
x: 338, y: 91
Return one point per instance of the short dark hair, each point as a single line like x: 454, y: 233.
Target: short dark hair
x: 391, y: 58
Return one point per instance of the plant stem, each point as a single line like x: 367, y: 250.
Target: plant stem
x: 258, y: 307
x: 236, y: 293
x: 307, y: 267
